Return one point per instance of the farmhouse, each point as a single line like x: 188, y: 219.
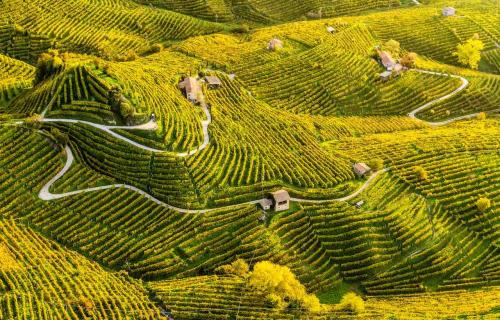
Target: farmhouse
x: 361, y: 169
x: 191, y: 89
x: 449, y: 11
x: 386, y: 59
x: 213, y: 82
x: 281, y: 200
x: 275, y: 44
x: 266, y: 204
x: 330, y: 29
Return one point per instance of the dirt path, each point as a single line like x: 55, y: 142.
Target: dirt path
x: 46, y: 195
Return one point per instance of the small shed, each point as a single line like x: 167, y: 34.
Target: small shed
x: 281, y: 200
x: 266, y: 204
x: 191, y: 89
x: 275, y: 45
x: 386, y: 75
x: 361, y: 169
x: 359, y: 204
x: 449, y: 11
x: 386, y: 59
x: 213, y: 82
x: 330, y: 29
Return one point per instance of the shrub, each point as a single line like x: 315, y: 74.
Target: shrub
x: 130, y: 55
x: 48, y: 64
x: 155, y: 48
x: 238, y: 268
x: 352, y: 303
x: 483, y: 204
x: 243, y: 28
x: 409, y: 59
x: 421, y: 173
x: 376, y: 164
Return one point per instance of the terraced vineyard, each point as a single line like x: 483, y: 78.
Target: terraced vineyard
x: 266, y: 11
x: 124, y: 195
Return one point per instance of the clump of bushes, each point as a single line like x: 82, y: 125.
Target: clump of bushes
x: 238, y: 268
x: 408, y: 60
x: 352, y: 303
x: 421, y: 173
x: 483, y: 204
x: 155, y: 48
x: 120, y: 105
x: 242, y: 28
x: 48, y: 64
x: 376, y: 164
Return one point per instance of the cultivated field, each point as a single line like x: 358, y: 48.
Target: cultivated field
x: 123, y: 196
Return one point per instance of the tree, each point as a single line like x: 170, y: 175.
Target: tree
x: 481, y: 116
x: 483, y: 204
x: 409, y: 59
x: 421, y: 173
x: 279, y: 281
x: 393, y: 47
x: 48, y: 64
x: 376, y: 164
x: 469, y: 53
x: 238, y: 268
x: 353, y: 303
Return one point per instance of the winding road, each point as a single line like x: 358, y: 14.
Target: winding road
x: 45, y: 193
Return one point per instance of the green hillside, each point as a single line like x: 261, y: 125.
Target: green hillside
x: 143, y: 140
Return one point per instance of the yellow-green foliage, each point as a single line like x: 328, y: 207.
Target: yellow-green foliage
x: 483, y: 204
x: 68, y: 285
x: 110, y: 28
x: 238, y: 268
x: 353, y: 303
x: 469, y: 53
x: 276, y: 280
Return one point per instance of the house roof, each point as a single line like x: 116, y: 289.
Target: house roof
x: 213, y: 80
x: 361, y: 168
x: 386, y: 58
x: 265, y: 202
x: 190, y: 85
x: 274, y: 43
x: 280, y: 196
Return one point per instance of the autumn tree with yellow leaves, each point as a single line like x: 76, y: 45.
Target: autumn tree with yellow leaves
x: 281, y: 287
x: 469, y: 53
